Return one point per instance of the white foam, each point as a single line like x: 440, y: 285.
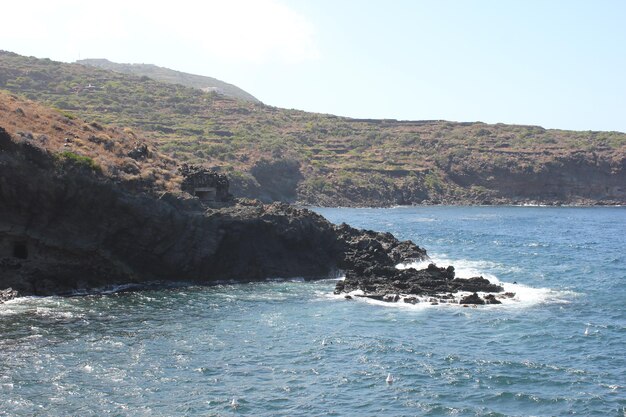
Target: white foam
x: 19, y: 305
x: 424, y: 220
x: 51, y: 312
x: 465, y: 268
x: 525, y: 296
x: 358, y: 295
x: 52, y: 307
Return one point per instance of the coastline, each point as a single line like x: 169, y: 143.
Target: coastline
x: 66, y: 228
x: 467, y: 204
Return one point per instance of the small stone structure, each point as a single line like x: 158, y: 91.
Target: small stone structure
x: 140, y: 151
x: 209, y: 186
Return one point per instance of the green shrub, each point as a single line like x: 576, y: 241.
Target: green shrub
x: 72, y: 158
x: 432, y: 181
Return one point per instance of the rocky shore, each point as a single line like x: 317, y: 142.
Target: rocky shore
x: 67, y: 229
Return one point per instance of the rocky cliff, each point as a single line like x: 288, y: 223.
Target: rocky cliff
x: 65, y: 227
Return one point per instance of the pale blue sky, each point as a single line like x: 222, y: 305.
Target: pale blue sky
x: 559, y: 64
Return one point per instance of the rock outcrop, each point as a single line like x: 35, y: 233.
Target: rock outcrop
x: 364, y: 249
x: 432, y: 284
x: 65, y: 227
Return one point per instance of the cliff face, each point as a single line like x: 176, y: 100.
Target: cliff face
x: 64, y: 227
x: 581, y: 178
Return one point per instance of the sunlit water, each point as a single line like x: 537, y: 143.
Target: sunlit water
x: 294, y: 349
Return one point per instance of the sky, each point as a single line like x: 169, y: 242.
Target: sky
x: 553, y: 63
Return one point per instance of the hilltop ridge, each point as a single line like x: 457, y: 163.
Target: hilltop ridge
x: 167, y: 75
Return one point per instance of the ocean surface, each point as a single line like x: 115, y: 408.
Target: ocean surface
x: 293, y: 349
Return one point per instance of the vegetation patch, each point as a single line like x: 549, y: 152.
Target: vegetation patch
x: 77, y: 160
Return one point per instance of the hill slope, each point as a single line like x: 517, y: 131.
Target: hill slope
x: 290, y: 155
x: 119, y: 154
x: 173, y: 77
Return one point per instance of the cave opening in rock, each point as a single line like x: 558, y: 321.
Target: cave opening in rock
x: 205, y: 193
x: 20, y: 250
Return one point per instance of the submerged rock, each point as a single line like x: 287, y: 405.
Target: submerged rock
x: 472, y: 299
x: 491, y: 299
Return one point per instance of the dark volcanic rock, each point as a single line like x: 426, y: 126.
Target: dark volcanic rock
x: 67, y: 228
x: 367, y: 249
x: 387, y: 282
x: 140, y: 151
x: 64, y: 229
x: 472, y: 299
x: 205, y: 184
x: 491, y: 299
x: 476, y: 284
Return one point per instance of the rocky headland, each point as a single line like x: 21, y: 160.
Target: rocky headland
x: 85, y: 207
x: 66, y: 228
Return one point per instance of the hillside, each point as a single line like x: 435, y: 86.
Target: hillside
x: 173, y: 77
x: 290, y: 155
x: 118, y: 154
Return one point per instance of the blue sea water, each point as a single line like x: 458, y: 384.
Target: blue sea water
x: 293, y: 349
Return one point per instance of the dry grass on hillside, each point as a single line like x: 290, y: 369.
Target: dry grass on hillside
x: 108, y: 147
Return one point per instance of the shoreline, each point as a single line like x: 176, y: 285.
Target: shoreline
x: 530, y: 205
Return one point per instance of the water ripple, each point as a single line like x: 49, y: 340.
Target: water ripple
x: 291, y: 349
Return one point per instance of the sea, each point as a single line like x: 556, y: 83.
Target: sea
x: 292, y: 348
